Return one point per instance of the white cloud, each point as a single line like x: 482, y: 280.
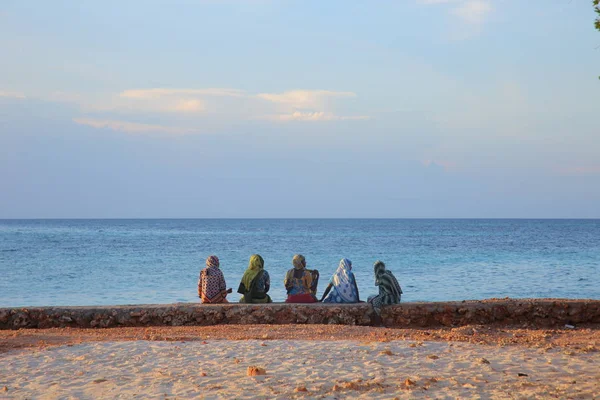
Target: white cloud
x: 473, y: 11
x: 130, y: 127
x: 304, y: 99
x: 187, y: 105
x: 13, y: 95
x: 161, y: 100
x: 169, y: 104
x: 162, y: 92
x: 312, y: 116
x: 212, y: 109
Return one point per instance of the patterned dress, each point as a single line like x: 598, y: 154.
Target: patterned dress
x: 300, y: 285
x: 343, y: 285
x: 211, y: 285
x: 346, y: 290
x: 264, y: 283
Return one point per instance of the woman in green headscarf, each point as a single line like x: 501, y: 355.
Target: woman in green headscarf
x: 255, y: 283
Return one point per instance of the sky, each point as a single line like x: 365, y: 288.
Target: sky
x: 299, y: 109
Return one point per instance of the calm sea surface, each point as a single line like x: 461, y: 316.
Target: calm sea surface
x: 94, y: 262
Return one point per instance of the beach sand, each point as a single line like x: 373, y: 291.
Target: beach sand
x: 300, y: 361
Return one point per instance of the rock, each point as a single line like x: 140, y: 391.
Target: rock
x: 432, y: 357
x: 386, y: 352
x: 5, y: 389
x: 522, y: 374
x: 202, y: 373
x: 528, y: 313
x: 408, y: 382
x: 300, y: 389
x: 255, y: 371
x: 483, y: 361
x: 100, y: 380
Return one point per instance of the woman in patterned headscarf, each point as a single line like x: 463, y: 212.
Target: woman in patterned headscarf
x: 390, y: 291
x: 255, y: 283
x: 300, y: 283
x: 342, y: 286
x: 211, y: 283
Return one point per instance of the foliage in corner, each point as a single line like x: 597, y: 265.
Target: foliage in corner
x: 597, y: 9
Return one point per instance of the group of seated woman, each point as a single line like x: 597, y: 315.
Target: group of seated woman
x: 300, y: 283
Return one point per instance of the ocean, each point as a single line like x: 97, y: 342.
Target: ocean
x: 103, y: 262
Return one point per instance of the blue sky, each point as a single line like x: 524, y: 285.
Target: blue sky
x: 257, y: 108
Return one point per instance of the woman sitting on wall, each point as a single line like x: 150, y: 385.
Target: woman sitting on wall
x: 390, y: 291
x: 255, y: 283
x: 300, y: 283
x: 211, y: 283
x: 342, y: 287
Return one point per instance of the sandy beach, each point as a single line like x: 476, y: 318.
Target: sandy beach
x: 300, y: 362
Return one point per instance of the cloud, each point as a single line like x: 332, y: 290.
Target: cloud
x: 159, y: 100
x: 473, y: 12
x: 213, y: 109
x: 13, y: 95
x: 312, y: 116
x: 304, y: 99
x: 149, y: 104
x: 130, y: 127
x: 187, y: 106
x: 162, y: 92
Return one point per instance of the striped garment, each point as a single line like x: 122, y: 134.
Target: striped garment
x: 390, y: 291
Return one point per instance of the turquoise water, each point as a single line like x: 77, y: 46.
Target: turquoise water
x: 95, y: 262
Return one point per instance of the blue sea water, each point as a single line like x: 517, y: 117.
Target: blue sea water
x: 100, y: 262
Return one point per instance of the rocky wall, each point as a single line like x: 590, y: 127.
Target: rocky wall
x: 530, y: 312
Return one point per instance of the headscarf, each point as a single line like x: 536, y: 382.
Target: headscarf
x: 299, y: 261
x: 255, y: 265
x: 342, y: 280
x: 212, y: 262
x: 386, y: 280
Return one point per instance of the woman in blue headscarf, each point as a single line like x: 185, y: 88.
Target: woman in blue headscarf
x: 342, y: 287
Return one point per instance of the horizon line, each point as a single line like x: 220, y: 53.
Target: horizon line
x: 291, y: 218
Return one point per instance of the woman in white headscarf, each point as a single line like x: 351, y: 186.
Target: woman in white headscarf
x: 342, y: 287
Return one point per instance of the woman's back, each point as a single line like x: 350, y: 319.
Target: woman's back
x: 211, y: 282
x: 298, y: 281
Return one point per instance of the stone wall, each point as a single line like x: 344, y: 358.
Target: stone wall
x: 530, y: 312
